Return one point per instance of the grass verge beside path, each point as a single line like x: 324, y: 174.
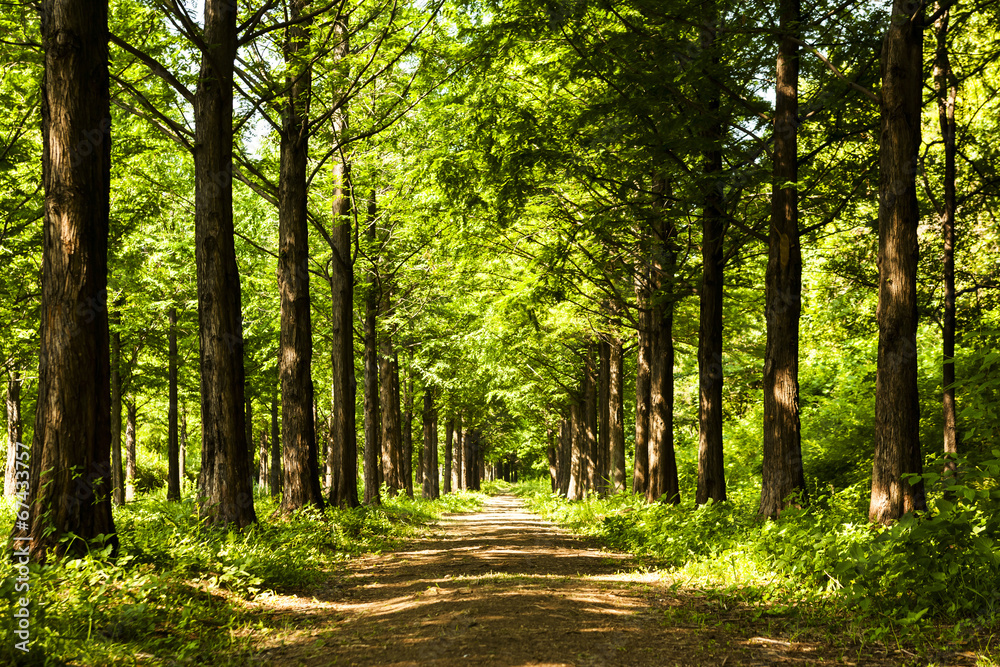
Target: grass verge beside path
x: 822, y: 572
x: 176, y: 593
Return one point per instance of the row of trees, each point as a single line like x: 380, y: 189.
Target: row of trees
x: 496, y: 217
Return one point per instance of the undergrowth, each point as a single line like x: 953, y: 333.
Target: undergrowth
x: 176, y: 592
x: 927, y: 574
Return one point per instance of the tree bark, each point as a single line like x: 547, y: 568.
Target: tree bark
x: 263, y: 455
x: 69, y: 484
x: 130, y: 435
x: 298, y: 426
x: 225, y: 473
x: 897, y: 409
x: 662, y: 483
x: 459, y: 447
x: 565, y: 454
x: 640, y: 472
x: 275, y: 471
x: 591, y: 446
x: 449, y: 430
x: 550, y: 452
x: 616, y: 415
x: 946, y: 89
x: 408, y: 432
x: 782, y: 451
x: 342, y: 296
x: 575, y: 486
x: 711, y: 471
x: 183, y: 447
x: 14, y: 431
x: 173, y: 453
x: 603, y: 417
x: 472, y: 459
x: 392, y: 445
x: 372, y: 433
x: 430, y: 485
x: 117, y: 472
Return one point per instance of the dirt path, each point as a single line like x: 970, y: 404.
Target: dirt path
x: 504, y: 587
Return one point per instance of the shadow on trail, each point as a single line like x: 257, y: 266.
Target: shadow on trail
x: 502, y: 587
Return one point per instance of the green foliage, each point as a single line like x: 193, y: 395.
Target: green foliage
x: 175, y: 590
x: 943, y: 564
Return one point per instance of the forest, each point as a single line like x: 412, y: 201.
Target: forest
x: 288, y: 285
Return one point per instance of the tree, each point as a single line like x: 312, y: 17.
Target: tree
x: 173, y: 452
x: 225, y: 478
x: 711, y: 470
x: 298, y: 429
x: 69, y: 485
x: 782, y: 464
x: 897, y: 406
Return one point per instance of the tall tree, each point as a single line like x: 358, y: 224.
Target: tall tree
x: 225, y: 480
x: 897, y: 408
x: 449, y: 431
x: 662, y: 482
x: 274, y: 481
x: 131, y: 470
x: 640, y: 475
x: 117, y: 474
x: 392, y: 446
x: 173, y: 461
x: 946, y: 91
x: 782, y: 461
x: 298, y: 428
x: 615, y: 415
x: 711, y: 470
x: 69, y: 482
x: 372, y: 433
x: 342, y: 297
x: 430, y: 481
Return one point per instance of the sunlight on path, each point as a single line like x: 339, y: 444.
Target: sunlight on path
x: 504, y: 587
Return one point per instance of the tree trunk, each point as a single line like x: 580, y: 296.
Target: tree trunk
x: 897, y: 410
x: 14, y: 431
x: 263, y: 455
x: 449, y: 430
x: 459, y: 447
x: 275, y: 471
x: 662, y: 483
x: 550, y: 452
x: 248, y: 411
x: 342, y: 297
x: 711, y: 471
x: 946, y: 89
x: 575, y: 486
x: 298, y: 426
x: 225, y: 467
x: 408, y: 431
x: 592, y: 446
x: 372, y: 433
x: 565, y: 454
x: 616, y: 416
x: 173, y: 460
x: 603, y: 417
x: 392, y: 446
x: 782, y: 452
x: 117, y: 473
x: 472, y: 459
x: 430, y: 446
x: 182, y: 465
x: 130, y: 468
x: 69, y: 491
x: 640, y: 472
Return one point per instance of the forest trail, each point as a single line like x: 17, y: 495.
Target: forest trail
x: 504, y: 587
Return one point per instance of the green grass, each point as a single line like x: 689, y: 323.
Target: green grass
x: 175, y: 593
x: 926, y: 579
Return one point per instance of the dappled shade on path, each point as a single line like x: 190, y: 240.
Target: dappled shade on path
x: 503, y: 587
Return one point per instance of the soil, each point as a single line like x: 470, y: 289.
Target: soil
x: 504, y: 587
